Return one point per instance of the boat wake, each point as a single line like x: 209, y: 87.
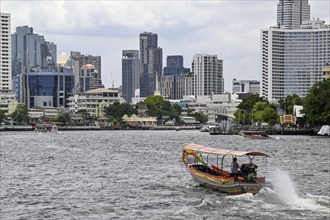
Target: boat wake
x: 285, y: 190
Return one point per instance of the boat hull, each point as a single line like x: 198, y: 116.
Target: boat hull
x: 254, y: 134
x: 225, y: 184
x: 255, y: 137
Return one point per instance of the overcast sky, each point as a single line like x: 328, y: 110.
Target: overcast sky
x: 229, y: 29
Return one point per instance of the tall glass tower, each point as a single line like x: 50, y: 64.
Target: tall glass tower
x: 152, y: 63
x: 31, y: 50
x: 130, y: 73
x: 291, y: 13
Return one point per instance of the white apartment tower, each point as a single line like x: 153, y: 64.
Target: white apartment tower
x: 207, y: 78
x: 5, y: 55
x: 292, y: 58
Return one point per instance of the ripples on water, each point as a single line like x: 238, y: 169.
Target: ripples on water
x: 137, y: 175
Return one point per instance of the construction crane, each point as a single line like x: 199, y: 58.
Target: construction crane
x: 113, y: 83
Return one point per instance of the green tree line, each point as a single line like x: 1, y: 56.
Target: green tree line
x: 316, y: 107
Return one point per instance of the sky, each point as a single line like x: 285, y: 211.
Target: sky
x: 229, y: 29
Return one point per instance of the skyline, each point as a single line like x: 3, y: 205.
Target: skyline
x: 222, y: 28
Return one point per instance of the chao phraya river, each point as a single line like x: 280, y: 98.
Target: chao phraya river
x: 138, y: 175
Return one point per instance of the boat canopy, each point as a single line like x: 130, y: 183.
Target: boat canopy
x: 210, y: 150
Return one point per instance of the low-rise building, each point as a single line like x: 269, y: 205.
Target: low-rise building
x: 8, y: 103
x: 94, y: 101
x: 216, y: 107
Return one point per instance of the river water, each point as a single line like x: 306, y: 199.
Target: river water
x: 138, y: 175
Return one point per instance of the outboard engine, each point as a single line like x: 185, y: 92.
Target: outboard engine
x: 248, y: 172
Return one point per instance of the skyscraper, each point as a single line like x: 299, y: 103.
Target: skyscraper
x: 152, y: 63
x: 31, y: 50
x: 172, y: 83
x: 292, y: 59
x: 174, y: 66
x: 291, y: 13
x: 130, y: 73
x: 76, y: 61
x: 207, y: 78
x: 5, y: 55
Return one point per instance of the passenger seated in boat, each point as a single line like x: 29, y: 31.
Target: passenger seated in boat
x: 234, y: 168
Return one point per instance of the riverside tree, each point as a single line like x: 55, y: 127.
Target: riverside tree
x: 162, y: 109
x: 20, y: 115
x: 316, y: 104
x: 256, y: 108
x: 246, y: 108
x: 202, y: 118
x: 116, y: 111
x: 2, y: 116
x: 288, y: 102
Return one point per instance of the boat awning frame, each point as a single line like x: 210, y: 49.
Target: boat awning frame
x: 210, y: 150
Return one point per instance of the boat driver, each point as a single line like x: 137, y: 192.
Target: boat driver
x: 234, y: 168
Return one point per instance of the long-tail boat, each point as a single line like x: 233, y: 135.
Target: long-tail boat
x: 207, y: 167
x: 254, y: 134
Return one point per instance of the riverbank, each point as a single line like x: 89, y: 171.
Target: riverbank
x: 176, y: 128
x: 94, y: 128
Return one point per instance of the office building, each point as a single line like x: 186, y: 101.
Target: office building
x: 31, y: 51
x: 77, y: 61
x: 45, y: 88
x: 246, y: 86
x: 172, y: 83
x: 207, y: 76
x: 5, y: 52
x: 131, y: 70
x: 87, y: 76
x: 291, y: 13
x: 292, y: 59
x: 174, y: 66
x: 152, y: 63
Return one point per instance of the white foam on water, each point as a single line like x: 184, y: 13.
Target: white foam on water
x: 244, y: 196
x: 285, y: 189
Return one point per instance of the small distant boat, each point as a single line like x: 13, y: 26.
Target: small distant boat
x: 215, y: 130
x: 205, y: 128
x: 54, y: 129
x: 254, y: 134
x: 324, y: 131
x: 206, y: 166
x: 42, y: 127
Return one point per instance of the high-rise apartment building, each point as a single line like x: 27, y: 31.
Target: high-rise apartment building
x: 5, y: 54
x: 291, y: 13
x: 78, y: 60
x: 172, y: 83
x: 207, y: 76
x: 32, y: 51
x: 292, y: 59
x: 131, y: 70
x: 152, y: 63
